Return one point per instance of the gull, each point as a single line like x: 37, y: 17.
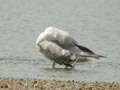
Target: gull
x: 61, y: 48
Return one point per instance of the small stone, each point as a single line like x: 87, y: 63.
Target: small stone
x: 4, y: 86
x: 1, y: 87
x: 35, y: 81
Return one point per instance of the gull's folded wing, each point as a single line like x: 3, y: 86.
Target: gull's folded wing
x: 88, y: 51
x: 84, y: 49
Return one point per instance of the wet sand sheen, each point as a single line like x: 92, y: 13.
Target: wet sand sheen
x: 38, y: 84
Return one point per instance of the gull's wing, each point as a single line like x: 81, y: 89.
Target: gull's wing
x: 57, y: 36
x: 89, y: 52
x: 83, y: 48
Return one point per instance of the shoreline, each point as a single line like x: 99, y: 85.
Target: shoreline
x: 39, y: 84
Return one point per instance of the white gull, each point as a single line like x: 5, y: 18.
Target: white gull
x: 60, y: 47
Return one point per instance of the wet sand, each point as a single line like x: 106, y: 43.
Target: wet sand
x: 38, y: 84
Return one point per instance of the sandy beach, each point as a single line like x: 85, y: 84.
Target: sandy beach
x: 38, y: 84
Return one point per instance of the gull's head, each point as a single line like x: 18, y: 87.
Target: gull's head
x: 40, y: 38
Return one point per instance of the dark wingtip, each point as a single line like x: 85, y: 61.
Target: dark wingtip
x: 99, y: 56
x: 102, y: 56
x: 84, y: 49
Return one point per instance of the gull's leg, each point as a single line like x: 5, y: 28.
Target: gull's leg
x: 76, y: 60
x: 53, y: 65
x: 74, y: 63
x: 66, y: 67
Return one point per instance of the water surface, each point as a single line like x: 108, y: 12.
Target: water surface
x: 94, y: 24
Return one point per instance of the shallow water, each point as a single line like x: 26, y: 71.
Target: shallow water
x: 94, y: 24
